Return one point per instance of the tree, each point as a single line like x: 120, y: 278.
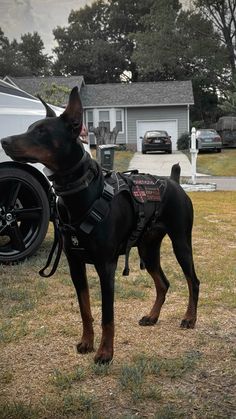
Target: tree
x: 83, y: 47
x: 228, y: 104
x: 23, y: 58
x: 180, y: 45
x: 96, y: 42
x: 31, y: 54
x: 222, y: 13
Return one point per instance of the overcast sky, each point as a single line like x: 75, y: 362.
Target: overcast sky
x: 18, y: 17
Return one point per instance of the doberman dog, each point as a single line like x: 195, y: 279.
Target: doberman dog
x: 80, y: 182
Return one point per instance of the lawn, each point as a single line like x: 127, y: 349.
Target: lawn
x: 121, y: 159
x: 158, y: 372
x: 217, y: 164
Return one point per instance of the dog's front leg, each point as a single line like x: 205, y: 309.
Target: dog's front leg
x: 79, y: 278
x: 106, y: 274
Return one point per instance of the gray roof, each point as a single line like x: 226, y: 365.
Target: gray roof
x: 163, y: 93
x: 12, y: 90
x: 36, y: 85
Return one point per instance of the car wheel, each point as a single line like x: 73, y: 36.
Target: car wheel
x: 24, y: 215
x: 218, y: 150
x: 144, y: 152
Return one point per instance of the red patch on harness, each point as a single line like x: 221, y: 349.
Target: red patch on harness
x: 146, y: 188
x: 143, y: 194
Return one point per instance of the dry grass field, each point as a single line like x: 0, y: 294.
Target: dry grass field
x: 158, y: 372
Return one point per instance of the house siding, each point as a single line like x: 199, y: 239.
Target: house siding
x: 179, y: 113
x: 132, y: 115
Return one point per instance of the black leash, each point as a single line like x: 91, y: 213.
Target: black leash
x: 57, y: 243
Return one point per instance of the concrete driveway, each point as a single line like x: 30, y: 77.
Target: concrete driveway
x: 160, y: 163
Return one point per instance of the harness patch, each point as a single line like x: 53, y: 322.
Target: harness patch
x: 147, y: 188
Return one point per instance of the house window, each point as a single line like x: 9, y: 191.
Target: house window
x: 109, y: 117
x: 90, y: 120
x: 119, y: 120
x: 104, y: 118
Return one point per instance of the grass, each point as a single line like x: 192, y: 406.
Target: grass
x: 121, y: 159
x: 160, y: 371
x: 217, y: 164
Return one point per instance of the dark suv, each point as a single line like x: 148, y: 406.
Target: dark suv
x: 156, y: 141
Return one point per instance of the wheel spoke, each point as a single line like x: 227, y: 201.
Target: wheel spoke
x: 28, y: 213
x: 13, y: 194
x: 16, y: 238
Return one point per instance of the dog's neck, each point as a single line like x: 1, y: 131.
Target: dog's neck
x: 78, y: 186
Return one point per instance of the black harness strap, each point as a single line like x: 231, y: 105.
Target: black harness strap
x: 96, y: 214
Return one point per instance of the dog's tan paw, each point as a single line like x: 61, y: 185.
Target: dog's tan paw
x: 103, y: 357
x: 84, y: 347
x: 187, y: 323
x: 147, y: 321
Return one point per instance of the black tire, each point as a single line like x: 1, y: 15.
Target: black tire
x: 144, y: 152
x: 218, y: 150
x: 24, y: 215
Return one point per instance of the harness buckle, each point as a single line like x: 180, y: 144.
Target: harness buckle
x: 108, y: 192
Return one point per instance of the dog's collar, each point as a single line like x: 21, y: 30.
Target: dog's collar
x: 53, y: 175
x: 63, y: 186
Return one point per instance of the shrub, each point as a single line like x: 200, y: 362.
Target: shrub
x: 183, y: 142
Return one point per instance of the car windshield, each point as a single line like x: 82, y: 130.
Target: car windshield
x: 152, y: 134
x: 207, y: 133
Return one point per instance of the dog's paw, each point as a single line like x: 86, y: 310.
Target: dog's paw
x: 103, y: 357
x: 84, y: 347
x: 147, y: 321
x: 187, y: 323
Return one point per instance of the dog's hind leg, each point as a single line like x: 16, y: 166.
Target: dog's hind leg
x: 183, y: 251
x: 149, y: 251
x: 79, y: 278
x: 106, y: 272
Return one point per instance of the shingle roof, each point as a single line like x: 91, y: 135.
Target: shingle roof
x: 35, y: 85
x: 137, y: 94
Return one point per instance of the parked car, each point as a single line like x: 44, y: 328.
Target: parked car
x: 26, y: 200
x: 208, y: 139
x: 156, y: 141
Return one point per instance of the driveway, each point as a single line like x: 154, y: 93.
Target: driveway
x: 160, y: 164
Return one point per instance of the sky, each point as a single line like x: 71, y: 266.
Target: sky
x: 18, y: 17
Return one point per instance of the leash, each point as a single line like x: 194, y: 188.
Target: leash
x: 57, y: 243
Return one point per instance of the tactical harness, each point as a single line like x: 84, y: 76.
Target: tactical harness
x: 146, y: 192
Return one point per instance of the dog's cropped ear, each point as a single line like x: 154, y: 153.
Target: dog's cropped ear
x: 73, y: 113
x: 49, y: 111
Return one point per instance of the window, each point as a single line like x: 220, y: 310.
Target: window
x: 119, y: 120
x: 89, y: 120
x: 109, y: 117
x: 104, y: 118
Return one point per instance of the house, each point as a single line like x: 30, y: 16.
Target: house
x: 138, y: 107
x: 134, y: 107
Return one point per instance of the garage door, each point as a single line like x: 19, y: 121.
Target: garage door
x: 169, y: 125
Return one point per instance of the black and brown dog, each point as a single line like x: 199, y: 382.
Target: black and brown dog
x: 79, y: 182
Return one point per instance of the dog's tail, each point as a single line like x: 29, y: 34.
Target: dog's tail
x: 175, y: 172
